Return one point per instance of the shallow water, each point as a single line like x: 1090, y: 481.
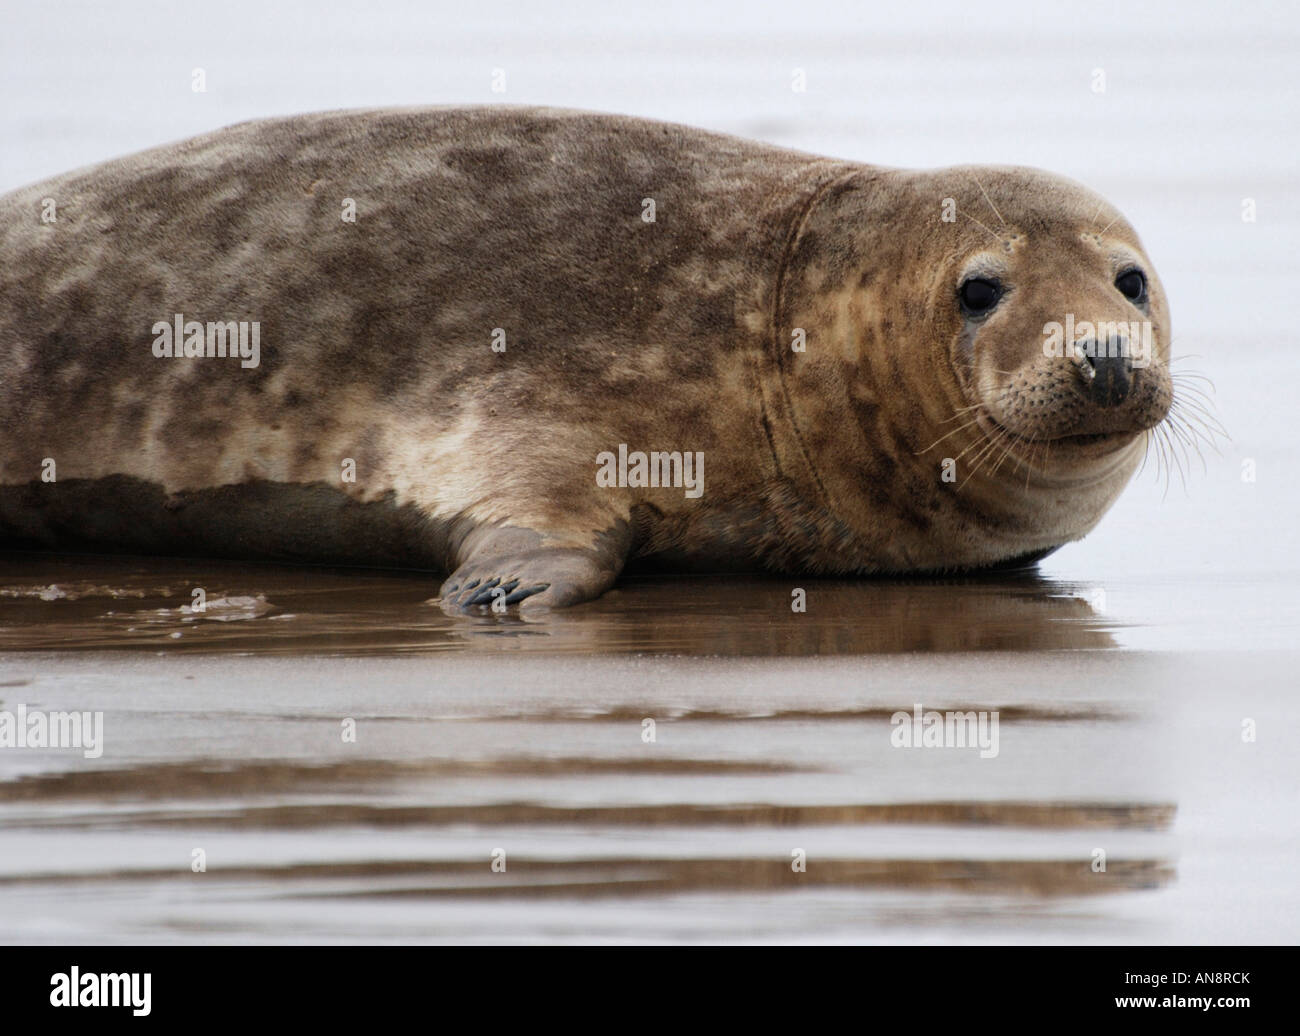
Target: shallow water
x: 771, y: 734
x: 1123, y: 671
x: 131, y: 604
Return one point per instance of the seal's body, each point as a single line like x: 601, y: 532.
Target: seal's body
x: 461, y: 316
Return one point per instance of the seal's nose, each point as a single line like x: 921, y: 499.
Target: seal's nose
x: 1108, y: 369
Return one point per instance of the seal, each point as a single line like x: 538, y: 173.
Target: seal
x: 527, y: 346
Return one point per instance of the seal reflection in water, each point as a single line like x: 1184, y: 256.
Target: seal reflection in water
x: 513, y: 343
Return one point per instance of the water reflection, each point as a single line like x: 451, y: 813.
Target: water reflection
x: 78, y: 603
x: 594, y: 850
x: 485, y: 744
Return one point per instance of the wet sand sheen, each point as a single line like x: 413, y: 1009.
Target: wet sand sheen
x: 646, y: 876
x: 541, y: 757
x: 75, y: 603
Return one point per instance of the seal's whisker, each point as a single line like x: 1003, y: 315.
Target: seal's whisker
x: 1192, y: 416
x: 984, y: 438
x: 1203, y: 425
x: 1178, y: 446
x: 1175, y: 443
x: 1205, y: 395
x: 1162, y: 459
x: 1202, y: 432
x: 1190, y: 375
x: 1206, y: 416
x: 1008, y: 451
x: 1155, y: 445
x: 982, y: 443
x: 1002, y: 221
x: 1004, y: 441
x: 1166, y: 442
x: 1001, y: 459
x: 989, y: 443
x: 1206, y: 422
x: 1199, y: 413
x: 1047, y: 449
x: 960, y: 428
x: 1032, y: 458
x: 979, y: 224
x: 1195, y: 393
x: 998, y: 438
x: 983, y: 455
x: 1175, y: 464
x: 1189, y: 438
x: 1146, y: 451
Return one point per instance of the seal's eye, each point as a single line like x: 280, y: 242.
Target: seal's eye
x: 1132, y: 284
x: 978, y: 295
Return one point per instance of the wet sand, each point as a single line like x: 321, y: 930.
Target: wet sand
x: 771, y: 734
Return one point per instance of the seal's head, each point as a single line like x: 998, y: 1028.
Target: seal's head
x: 987, y: 354
x: 1058, y: 325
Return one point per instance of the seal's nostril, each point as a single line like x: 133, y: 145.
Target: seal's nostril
x: 1111, y: 385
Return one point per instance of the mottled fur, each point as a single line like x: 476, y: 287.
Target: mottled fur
x: 672, y: 335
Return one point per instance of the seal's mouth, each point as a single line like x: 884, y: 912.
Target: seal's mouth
x: 1080, y: 446
x: 1047, y: 423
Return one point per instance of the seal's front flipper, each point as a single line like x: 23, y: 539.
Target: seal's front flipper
x: 518, y: 568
